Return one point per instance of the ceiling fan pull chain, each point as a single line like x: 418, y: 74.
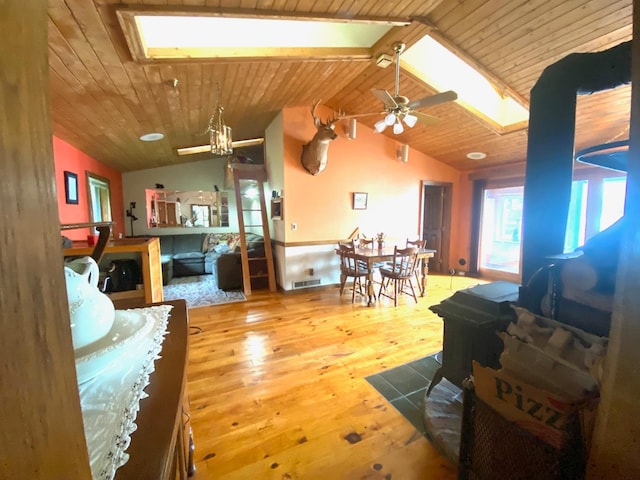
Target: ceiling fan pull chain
x: 398, y: 48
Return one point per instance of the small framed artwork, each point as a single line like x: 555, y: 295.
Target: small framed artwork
x: 360, y: 200
x: 71, y: 187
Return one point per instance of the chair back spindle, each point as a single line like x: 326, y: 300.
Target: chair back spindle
x: 401, y: 273
x: 351, y: 267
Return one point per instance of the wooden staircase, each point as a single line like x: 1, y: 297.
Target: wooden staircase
x: 257, y: 272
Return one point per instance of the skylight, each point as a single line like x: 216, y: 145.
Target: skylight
x: 178, y: 36
x: 441, y: 69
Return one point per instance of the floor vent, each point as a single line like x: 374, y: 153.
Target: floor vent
x: 306, y: 283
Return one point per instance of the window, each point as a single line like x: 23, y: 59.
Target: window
x: 596, y: 204
x: 500, y: 229
x: 476, y: 92
x: 613, y: 197
x: 99, y: 198
x: 577, y: 221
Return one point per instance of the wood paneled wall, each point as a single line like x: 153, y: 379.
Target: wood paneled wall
x: 42, y: 435
x: 616, y: 447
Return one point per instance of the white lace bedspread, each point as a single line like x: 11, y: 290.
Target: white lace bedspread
x: 111, y: 400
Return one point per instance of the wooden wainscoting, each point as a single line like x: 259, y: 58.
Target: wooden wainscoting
x: 277, y: 386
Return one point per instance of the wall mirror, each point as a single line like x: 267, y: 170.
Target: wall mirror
x: 179, y: 208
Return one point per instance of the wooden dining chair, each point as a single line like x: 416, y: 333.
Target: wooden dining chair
x: 420, y: 245
x: 364, y: 242
x: 351, y: 267
x: 401, y: 274
x: 369, y: 243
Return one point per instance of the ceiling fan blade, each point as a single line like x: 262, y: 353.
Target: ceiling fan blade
x: 432, y: 100
x: 385, y: 97
x: 356, y: 115
x: 426, y: 119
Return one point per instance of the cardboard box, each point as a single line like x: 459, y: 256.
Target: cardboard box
x: 546, y: 415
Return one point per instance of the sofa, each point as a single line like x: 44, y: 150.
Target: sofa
x: 207, y: 253
x: 228, y: 266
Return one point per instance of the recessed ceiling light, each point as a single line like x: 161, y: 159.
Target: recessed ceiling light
x: 152, y: 137
x: 476, y: 155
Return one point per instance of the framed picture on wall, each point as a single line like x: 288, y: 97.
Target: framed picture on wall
x: 360, y: 200
x: 71, y: 187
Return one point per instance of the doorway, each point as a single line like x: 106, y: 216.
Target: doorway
x: 436, y: 223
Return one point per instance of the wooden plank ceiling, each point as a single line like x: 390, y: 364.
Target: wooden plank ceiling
x: 102, y: 100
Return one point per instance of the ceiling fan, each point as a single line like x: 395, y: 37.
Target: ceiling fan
x: 398, y: 109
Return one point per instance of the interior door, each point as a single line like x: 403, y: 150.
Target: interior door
x: 435, y: 224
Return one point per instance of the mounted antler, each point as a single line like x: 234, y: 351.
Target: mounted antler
x: 314, y: 153
x: 317, y: 122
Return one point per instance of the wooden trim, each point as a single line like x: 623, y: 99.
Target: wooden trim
x: 128, y: 12
x: 252, y: 55
x: 512, y: 170
x: 312, y: 243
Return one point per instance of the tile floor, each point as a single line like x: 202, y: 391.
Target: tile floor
x: 405, y: 386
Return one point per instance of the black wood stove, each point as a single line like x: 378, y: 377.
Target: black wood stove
x: 471, y: 319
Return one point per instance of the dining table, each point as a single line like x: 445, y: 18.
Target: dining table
x: 375, y: 255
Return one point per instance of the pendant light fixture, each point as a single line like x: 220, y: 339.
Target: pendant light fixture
x: 219, y: 133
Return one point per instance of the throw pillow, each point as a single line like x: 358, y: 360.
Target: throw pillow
x: 221, y: 248
x: 209, y: 243
x: 233, y: 241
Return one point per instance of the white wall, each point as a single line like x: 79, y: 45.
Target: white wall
x: 298, y: 261
x: 274, y: 151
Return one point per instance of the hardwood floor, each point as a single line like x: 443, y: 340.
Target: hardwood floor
x: 278, y: 391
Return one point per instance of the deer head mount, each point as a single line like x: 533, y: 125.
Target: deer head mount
x: 314, y: 153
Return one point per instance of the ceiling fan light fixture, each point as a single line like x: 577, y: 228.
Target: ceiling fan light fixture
x: 410, y: 120
x: 220, y: 139
x: 380, y: 125
x: 390, y: 119
x: 398, y: 128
